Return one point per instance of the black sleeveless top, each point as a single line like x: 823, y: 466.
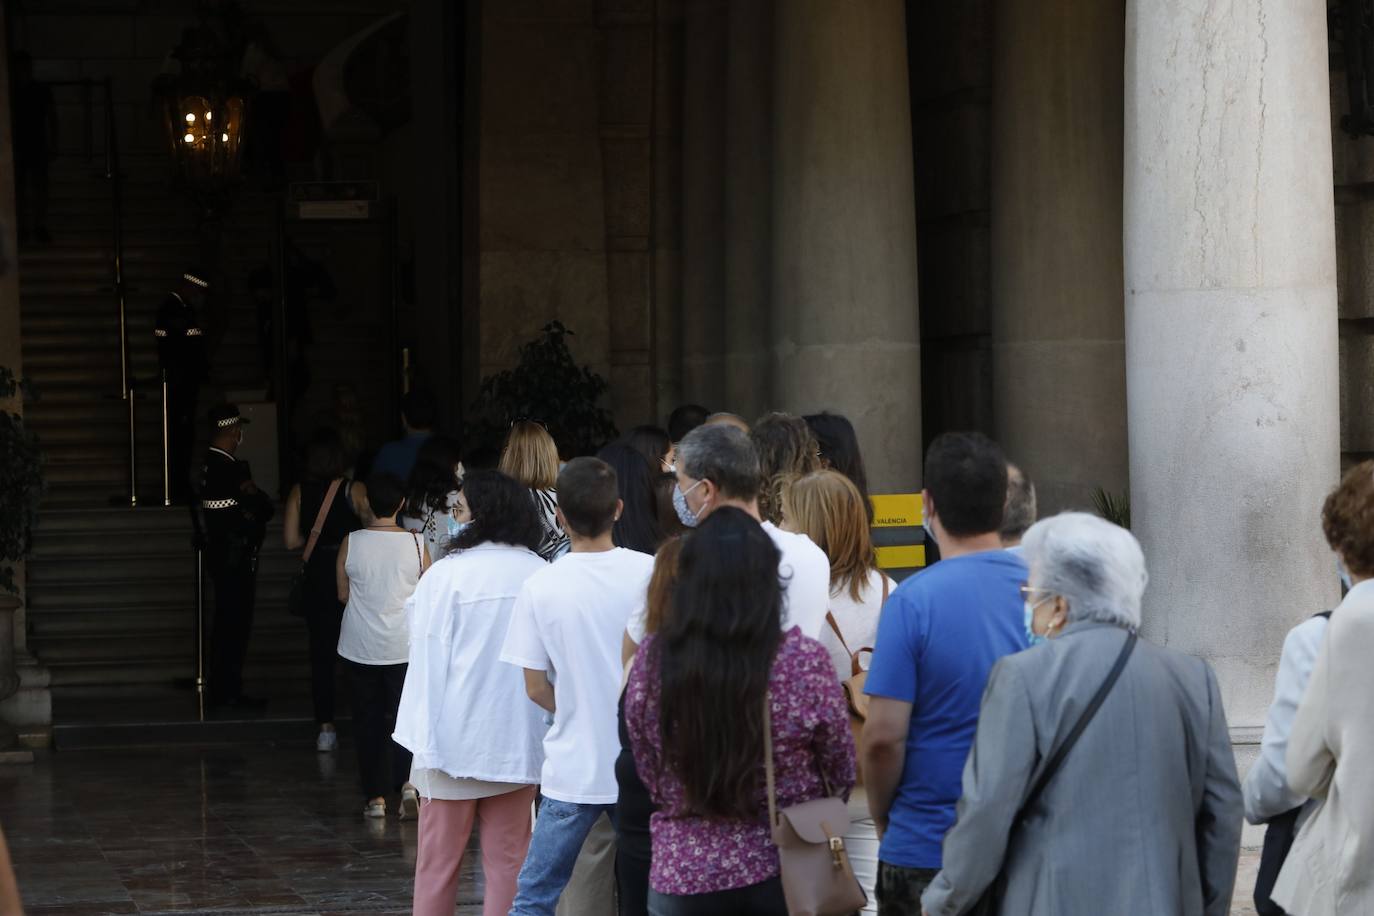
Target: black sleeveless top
x: 338, y: 524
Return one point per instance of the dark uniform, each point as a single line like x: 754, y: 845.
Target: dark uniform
x: 181, y: 356
x: 233, y: 516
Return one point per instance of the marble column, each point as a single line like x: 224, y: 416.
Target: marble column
x: 1231, y: 353
x: 703, y: 202
x: 748, y: 207
x: 1059, y: 372
x: 846, y: 329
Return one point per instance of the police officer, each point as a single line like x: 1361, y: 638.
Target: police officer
x: 181, y: 357
x: 233, y: 520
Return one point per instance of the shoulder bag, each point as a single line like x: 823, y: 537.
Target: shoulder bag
x: 295, y: 600
x: 854, y: 684
x: 817, y: 879
x: 1279, y: 833
x: 990, y: 902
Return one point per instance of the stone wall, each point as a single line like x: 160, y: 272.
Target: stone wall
x: 566, y: 203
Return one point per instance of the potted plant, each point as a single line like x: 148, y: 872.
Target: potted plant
x: 545, y: 385
x: 21, y: 484
x: 1114, y: 507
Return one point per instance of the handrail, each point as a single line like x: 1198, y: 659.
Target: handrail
x: 112, y: 174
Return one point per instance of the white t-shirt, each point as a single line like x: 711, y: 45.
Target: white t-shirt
x: 857, y: 620
x: 568, y: 620
x: 805, y: 570
x: 383, y: 568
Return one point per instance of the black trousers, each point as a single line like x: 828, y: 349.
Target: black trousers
x: 383, y: 765
x: 763, y: 899
x: 323, y: 617
x: 899, y: 889
x: 235, y: 582
x: 181, y: 435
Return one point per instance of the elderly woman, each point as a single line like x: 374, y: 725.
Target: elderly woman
x: 1329, y: 866
x: 1143, y: 814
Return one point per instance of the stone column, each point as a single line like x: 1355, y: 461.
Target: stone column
x: 703, y: 201
x: 1059, y: 373
x: 847, y: 335
x: 748, y: 207
x: 1230, y: 327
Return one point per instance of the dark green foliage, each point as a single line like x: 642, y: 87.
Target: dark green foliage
x: 548, y: 386
x: 1114, y: 507
x: 21, y: 484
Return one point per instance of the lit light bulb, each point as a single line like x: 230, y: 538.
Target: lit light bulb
x: 224, y: 137
x: 207, y: 115
x: 190, y: 138
x: 190, y: 118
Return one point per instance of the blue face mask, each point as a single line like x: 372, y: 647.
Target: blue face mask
x: 684, y: 511
x: 1032, y: 637
x: 1345, y: 576
x: 456, y: 527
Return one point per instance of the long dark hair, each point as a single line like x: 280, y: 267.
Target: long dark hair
x: 839, y: 446
x: 433, y: 478
x: 638, y: 527
x: 651, y: 442
x: 502, y: 513
x: 716, y: 650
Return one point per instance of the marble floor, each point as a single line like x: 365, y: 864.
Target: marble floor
x: 268, y: 829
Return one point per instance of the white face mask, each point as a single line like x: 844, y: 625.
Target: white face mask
x: 684, y: 511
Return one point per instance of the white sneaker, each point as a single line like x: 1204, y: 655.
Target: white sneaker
x: 410, y: 803
x: 375, y: 809
x: 327, y: 742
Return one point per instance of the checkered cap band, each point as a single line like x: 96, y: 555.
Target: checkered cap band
x: 192, y: 278
x: 227, y: 422
x: 218, y: 503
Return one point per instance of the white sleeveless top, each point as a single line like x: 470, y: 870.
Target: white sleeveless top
x: 383, y: 568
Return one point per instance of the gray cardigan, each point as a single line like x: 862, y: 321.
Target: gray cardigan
x: 1144, y: 816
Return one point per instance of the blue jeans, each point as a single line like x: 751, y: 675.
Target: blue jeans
x: 559, y: 832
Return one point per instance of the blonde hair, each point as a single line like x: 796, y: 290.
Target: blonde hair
x: 659, y: 598
x: 530, y: 456
x: 827, y: 507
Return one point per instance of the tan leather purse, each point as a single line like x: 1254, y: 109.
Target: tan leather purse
x: 854, y: 684
x: 817, y: 879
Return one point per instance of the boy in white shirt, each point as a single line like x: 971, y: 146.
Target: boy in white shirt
x: 568, y: 621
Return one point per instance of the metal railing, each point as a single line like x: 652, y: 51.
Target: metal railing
x: 110, y: 171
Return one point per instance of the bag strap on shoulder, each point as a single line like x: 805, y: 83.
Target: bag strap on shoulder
x: 1057, y: 759
x: 319, y: 519
x: 768, y: 760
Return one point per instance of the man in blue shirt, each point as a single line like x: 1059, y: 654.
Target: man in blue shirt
x: 398, y: 456
x: 940, y: 634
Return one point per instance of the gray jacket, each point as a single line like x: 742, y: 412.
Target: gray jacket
x: 1144, y: 815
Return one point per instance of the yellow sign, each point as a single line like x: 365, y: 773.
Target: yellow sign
x: 907, y: 556
x: 898, y: 510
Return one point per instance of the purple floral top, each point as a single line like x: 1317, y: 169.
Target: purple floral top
x: 696, y: 855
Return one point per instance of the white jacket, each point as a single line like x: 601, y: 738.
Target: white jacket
x: 1266, y: 786
x: 1330, y: 869
x: 462, y: 710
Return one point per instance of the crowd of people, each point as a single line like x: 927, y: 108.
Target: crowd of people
x: 623, y: 672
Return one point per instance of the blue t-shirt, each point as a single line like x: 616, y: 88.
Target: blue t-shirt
x: 398, y: 456
x: 939, y: 636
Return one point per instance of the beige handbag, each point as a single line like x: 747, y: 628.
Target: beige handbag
x: 854, y: 684
x: 817, y: 879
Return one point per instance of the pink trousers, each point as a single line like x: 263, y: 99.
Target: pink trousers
x: 503, y: 824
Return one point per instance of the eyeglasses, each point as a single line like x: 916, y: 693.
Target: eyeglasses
x: 1028, y: 592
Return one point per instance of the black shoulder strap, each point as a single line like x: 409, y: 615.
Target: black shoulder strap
x: 1325, y: 615
x: 1052, y: 767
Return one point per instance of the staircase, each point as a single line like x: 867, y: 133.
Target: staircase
x: 111, y: 589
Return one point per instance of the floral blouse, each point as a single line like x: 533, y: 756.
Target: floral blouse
x: 693, y: 854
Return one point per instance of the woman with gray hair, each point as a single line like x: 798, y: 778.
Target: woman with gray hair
x: 1101, y: 779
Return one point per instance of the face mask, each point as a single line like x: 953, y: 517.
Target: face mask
x: 684, y: 511
x: 1032, y: 637
x: 1345, y: 576
x: 455, y: 527
x: 930, y: 532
